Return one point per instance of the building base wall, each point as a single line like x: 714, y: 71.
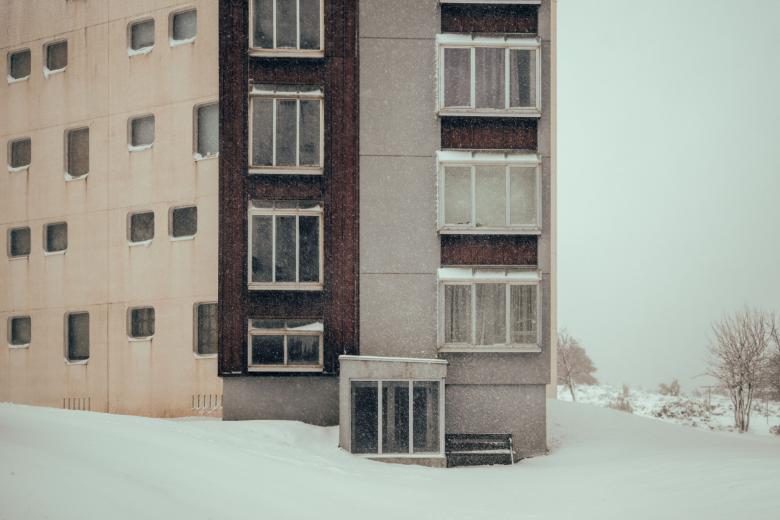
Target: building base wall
x: 313, y: 400
x: 516, y: 409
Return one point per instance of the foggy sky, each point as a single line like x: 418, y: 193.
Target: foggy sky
x: 668, y: 190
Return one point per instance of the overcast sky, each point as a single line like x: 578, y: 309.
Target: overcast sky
x: 668, y: 177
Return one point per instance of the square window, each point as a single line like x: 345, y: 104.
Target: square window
x: 141, y: 132
x: 19, y: 331
x: 285, y: 345
x: 206, y: 332
x: 184, y: 222
x: 141, y: 227
x: 184, y: 26
x: 19, y: 242
x: 56, y: 56
x: 77, y: 336
x: 286, y: 25
x: 142, y: 35
x: 77, y: 156
x: 19, y: 65
x: 55, y: 237
x: 141, y: 323
x: 19, y: 153
x: 207, y: 130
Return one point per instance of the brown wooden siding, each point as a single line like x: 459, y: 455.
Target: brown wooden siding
x: 488, y: 250
x: 475, y: 18
x: 488, y: 133
x: 337, y: 72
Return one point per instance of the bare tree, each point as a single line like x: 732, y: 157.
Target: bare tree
x: 738, y: 357
x: 574, y: 365
x: 772, y: 377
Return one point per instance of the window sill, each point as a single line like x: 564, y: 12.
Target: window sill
x: 451, y: 230
x: 432, y: 455
x: 470, y: 112
x: 11, y: 79
x: 522, y: 349
x: 76, y: 362
x: 141, y: 243
x: 285, y: 53
x: 177, y: 43
x: 139, y: 52
x: 182, y: 239
x: 16, y: 169
x: 48, y: 73
x: 19, y: 257
x: 69, y: 177
x: 285, y: 287
x: 302, y: 368
x: 280, y: 170
x: 198, y: 157
x: 204, y: 356
x: 19, y: 347
x: 139, y: 148
x: 54, y: 253
x: 145, y: 339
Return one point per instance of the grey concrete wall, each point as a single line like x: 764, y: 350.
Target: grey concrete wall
x: 399, y: 136
x: 313, y: 400
x: 496, y: 408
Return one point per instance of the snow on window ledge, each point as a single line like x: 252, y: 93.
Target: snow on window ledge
x: 140, y: 51
x: 14, y: 169
x: 183, y: 238
x: 19, y: 347
x: 76, y: 362
x: 47, y: 72
x: 55, y: 253
x: 204, y: 356
x: 69, y: 177
x: 12, y: 79
x: 176, y: 43
x: 143, y: 243
x: 143, y: 339
x: 199, y: 157
x: 139, y: 147
x: 504, y: 349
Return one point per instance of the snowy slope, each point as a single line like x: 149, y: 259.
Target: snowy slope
x: 604, y: 464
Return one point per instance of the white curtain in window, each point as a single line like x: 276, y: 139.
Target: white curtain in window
x: 491, y: 314
x: 457, y: 77
x: 490, y: 78
x: 523, y: 304
x: 457, y: 320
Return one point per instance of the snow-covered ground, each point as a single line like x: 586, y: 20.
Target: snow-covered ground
x: 603, y: 464
x: 711, y: 412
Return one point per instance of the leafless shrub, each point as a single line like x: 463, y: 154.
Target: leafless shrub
x: 574, y: 365
x: 775, y: 430
x: 672, y: 388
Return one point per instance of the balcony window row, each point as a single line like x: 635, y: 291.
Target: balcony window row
x: 140, y: 326
x: 286, y: 27
x: 140, y: 136
x: 140, y: 40
x: 285, y: 345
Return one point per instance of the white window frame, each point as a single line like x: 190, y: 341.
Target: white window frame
x: 316, y: 211
x: 472, y: 159
x: 314, y: 94
x: 195, y: 335
x: 9, y: 148
x: 10, y: 331
x: 472, y: 277
x: 170, y: 223
x: 141, y: 50
x: 467, y: 41
x: 46, y: 70
x: 289, y: 53
x: 185, y: 41
x: 411, y: 454
x: 315, y: 330
x: 129, y: 323
x: 195, y: 153
x: 8, y: 55
x: 130, y: 227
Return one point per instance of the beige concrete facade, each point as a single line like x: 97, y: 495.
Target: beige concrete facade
x: 100, y: 272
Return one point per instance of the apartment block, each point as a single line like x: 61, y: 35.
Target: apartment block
x: 387, y: 222
x: 108, y: 205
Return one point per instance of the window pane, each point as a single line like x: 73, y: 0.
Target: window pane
x: 267, y: 350
x: 285, y: 249
x: 286, y: 139
x: 263, y: 24
x: 262, y: 132
x: 141, y: 227
x: 310, y: 133
x: 491, y: 314
x: 142, y: 322
x: 208, y: 130
x: 185, y: 25
x: 457, y: 77
x: 491, y: 196
x: 309, y: 249
x: 56, y: 237
x: 303, y: 350
x: 523, y: 200
x: 78, y: 336
x: 207, y: 328
x: 426, y: 416
x: 21, y: 331
x: 395, y: 417
x: 457, y: 314
x: 20, y: 64
x: 364, y: 416
x: 20, y: 241
x: 142, y: 131
x: 185, y: 221
x: 457, y: 195
x: 490, y: 78
x: 57, y: 56
x: 78, y: 152
x: 262, y: 249
x: 21, y: 152
x: 310, y: 24
x: 522, y: 86
x: 286, y: 24
x: 523, y: 313
x: 142, y: 34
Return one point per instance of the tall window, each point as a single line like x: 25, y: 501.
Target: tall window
x: 395, y: 417
x: 19, y: 242
x: 56, y: 56
x: 77, y: 336
x: 141, y: 37
x: 18, y: 65
x: 489, y: 76
x: 55, y: 237
x: 140, y: 323
x: 19, y: 331
x: 486, y: 192
x: 19, y: 154
x: 77, y: 152
x: 285, y: 345
x: 206, y: 131
x: 183, y: 222
x: 287, y: 26
x: 183, y: 27
x: 285, y: 245
x: 206, y: 329
x: 286, y: 129
x: 490, y: 310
